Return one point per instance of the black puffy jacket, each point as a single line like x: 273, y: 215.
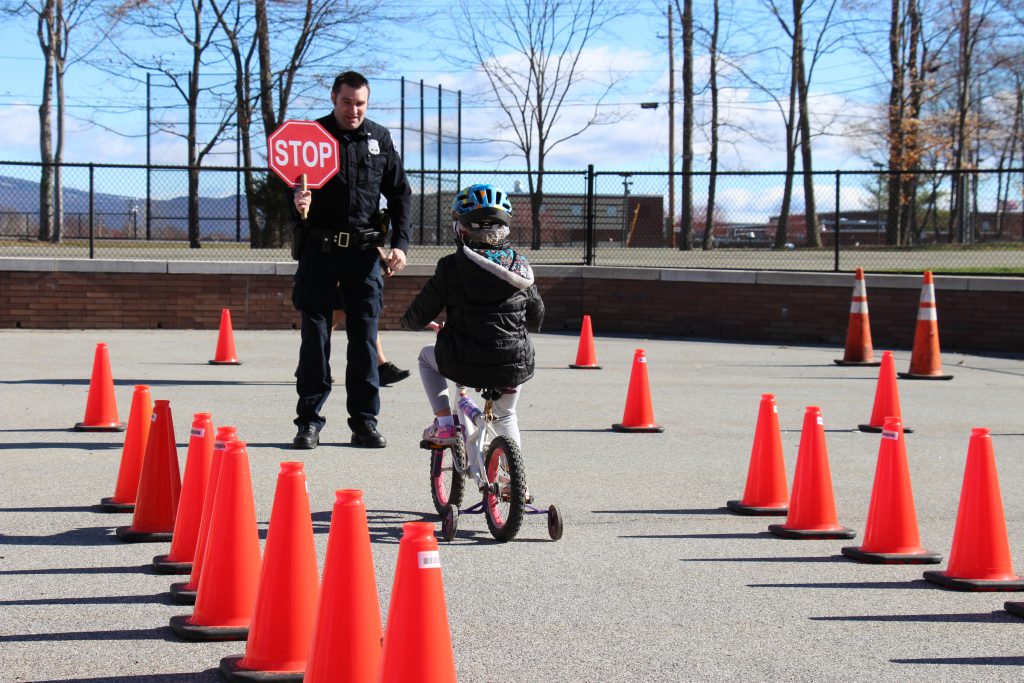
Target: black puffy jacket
x: 370, y: 166
x: 491, y: 300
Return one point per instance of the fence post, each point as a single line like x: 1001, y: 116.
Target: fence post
x: 92, y: 206
x: 588, y: 233
x: 836, y: 266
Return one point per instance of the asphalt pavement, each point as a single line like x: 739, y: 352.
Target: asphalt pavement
x: 653, y: 579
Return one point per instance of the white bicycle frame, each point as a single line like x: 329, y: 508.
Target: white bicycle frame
x: 477, y: 435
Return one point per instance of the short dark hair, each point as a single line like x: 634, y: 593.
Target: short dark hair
x: 352, y: 79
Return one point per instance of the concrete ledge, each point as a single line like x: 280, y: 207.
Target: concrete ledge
x: 221, y: 268
x: 108, y: 266
x: 739, y: 277
x: 742, y: 277
x: 616, y: 273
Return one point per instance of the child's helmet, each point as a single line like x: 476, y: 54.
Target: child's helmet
x: 482, y: 213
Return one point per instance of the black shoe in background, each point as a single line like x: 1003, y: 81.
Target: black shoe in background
x: 390, y: 373
x: 307, y: 438
x: 366, y: 435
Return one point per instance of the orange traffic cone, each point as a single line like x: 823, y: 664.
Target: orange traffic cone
x: 812, y: 508
x: 225, y: 342
x: 132, y: 454
x: 980, y: 557
x: 887, y: 397
x: 858, y: 334
x: 184, y: 593
x: 925, y: 360
x: 190, y: 506
x: 227, y: 587
x: 891, y: 536
x: 639, y: 415
x: 159, y: 483
x: 417, y: 640
x: 766, y: 492
x: 586, y: 359
x: 101, y: 404
x: 282, y: 621
x: 346, y: 643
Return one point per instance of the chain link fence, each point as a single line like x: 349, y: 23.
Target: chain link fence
x: 957, y: 223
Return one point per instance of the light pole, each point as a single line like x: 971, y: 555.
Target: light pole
x: 878, y: 199
x: 626, y: 182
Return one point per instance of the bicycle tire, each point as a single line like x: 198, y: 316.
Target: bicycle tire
x: 504, y: 512
x: 447, y: 483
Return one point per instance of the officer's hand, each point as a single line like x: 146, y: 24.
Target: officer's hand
x: 396, y: 261
x: 302, y: 201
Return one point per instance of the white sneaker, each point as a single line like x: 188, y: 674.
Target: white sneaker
x: 443, y: 435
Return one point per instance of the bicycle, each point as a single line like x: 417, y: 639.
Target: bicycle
x: 494, y: 463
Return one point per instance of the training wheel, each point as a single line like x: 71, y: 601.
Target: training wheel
x: 554, y: 523
x: 450, y: 523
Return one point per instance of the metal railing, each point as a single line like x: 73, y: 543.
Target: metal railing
x: 970, y: 222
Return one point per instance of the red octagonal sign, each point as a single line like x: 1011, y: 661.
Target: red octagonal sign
x: 298, y: 147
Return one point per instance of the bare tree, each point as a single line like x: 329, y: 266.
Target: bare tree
x: 194, y: 23
x: 55, y: 20
x: 531, y: 52
x: 686, y: 213
x: 709, y: 222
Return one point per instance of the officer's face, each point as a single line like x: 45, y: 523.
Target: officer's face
x: 350, y: 106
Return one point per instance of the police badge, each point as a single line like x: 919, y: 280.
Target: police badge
x: 373, y: 145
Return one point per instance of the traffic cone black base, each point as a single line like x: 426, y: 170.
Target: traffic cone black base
x: 224, y: 362
x: 126, y: 534
x: 230, y: 671
x: 752, y: 511
x: 206, y: 634
x: 584, y: 367
x: 82, y: 427
x: 162, y: 566
x: 977, y: 585
x: 871, y: 429
x: 1014, y: 608
x: 810, y: 534
x: 856, y: 553
x: 182, y: 595
x: 108, y: 505
x: 908, y: 375
x: 619, y: 427
x: 864, y: 364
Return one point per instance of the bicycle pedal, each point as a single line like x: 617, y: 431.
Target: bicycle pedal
x: 428, y: 445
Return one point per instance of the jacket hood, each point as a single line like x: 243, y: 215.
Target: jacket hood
x: 507, y: 265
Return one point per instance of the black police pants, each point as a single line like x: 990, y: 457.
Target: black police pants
x: 317, y: 280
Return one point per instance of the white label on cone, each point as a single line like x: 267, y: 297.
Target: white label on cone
x: 198, y: 431
x: 152, y: 418
x: 821, y: 420
x: 775, y: 409
x: 219, y: 446
x: 891, y: 435
x: 429, y: 559
x: 641, y: 359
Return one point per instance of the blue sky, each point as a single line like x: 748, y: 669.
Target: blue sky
x: 635, y: 52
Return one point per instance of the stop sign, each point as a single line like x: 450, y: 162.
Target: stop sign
x: 298, y: 147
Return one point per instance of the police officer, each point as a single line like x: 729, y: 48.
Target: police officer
x: 340, y: 249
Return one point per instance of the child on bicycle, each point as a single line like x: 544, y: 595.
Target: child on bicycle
x: 488, y: 291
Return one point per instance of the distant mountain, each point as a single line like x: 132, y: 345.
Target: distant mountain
x: 113, y: 213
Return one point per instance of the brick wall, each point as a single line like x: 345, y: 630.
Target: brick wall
x: 975, y: 314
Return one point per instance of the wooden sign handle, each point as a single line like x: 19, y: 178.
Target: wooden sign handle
x: 302, y: 187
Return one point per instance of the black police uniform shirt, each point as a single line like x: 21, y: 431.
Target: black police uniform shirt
x: 370, y: 166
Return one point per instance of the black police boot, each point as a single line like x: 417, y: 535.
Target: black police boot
x: 366, y: 435
x: 307, y: 438
x: 390, y: 373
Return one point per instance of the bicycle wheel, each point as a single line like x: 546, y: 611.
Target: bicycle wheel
x: 447, y: 484
x: 504, y: 508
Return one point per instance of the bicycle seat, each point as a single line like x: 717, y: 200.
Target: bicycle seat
x: 496, y: 393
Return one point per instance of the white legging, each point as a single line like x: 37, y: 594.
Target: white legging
x: 506, y: 422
